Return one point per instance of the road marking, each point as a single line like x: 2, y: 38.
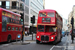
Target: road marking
x: 5, y: 45
x: 52, y: 47
x: 65, y: 41
x: 60, y: 46
x: 32, y: 42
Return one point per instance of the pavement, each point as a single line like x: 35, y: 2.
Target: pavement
x: 69, y: 45
x: 27, y: 40
x: 30, y: 35
x: 66, y: 46
x: 29, y: 44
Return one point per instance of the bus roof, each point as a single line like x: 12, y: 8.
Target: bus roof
x: 10, y: 11
x: 47, y: 10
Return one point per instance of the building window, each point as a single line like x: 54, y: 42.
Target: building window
x: 22, y: 6
x: 26, y: 18
x: 34, y: 6
x: 22, y: 0
x: 40, y: 1
x: 27, y: 10
x: 34, y: 13
x: 13, y: 4
x: 0, y: 3
x: 5, y: 4
x: 27, y: 2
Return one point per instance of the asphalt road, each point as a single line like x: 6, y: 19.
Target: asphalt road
x: 34, y: 46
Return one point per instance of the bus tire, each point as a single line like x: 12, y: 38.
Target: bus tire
x: 55, y: 41
x: 9, y: 39
x: 60, y: 39
x: 37, y: 41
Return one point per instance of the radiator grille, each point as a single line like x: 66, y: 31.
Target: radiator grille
x: 44, y: 38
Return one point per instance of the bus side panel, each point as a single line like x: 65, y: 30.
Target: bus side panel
x: 0, y: 23
x: 59, y: 27
x: 0, y: 38
x: 19, y: 32
x: 0, y: 27
x: 0, y: 19
x: 3, y: 36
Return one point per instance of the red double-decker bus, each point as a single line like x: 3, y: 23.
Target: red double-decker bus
x: 10, y: 26
x: 49, y: 26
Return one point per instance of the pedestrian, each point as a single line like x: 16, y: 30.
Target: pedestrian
x: 26, y: 33
x: 72, y: 38
x: 70, y: 32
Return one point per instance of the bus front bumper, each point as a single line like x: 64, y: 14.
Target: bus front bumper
x: 45, y: 38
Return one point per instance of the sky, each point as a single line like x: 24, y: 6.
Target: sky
x: 63, y: 7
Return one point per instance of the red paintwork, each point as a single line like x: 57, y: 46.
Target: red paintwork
x: 52, y: 18
x: 4, y: 35
x: 54, y: 23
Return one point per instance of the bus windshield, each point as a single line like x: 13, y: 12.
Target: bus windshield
x: 50, y: 15
x: 50, y: 29
x: 40, y: 28
x: 42, y: 15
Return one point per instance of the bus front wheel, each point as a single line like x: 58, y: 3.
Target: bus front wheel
x: 9, y: 39
x: 55, y: 41
x: 37, y: 41
x: 60, y: 39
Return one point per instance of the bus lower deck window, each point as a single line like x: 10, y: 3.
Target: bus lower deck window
x: 9, y: 28
x: 19, y: 29
x: 13, y: 28
x: 16, y: 28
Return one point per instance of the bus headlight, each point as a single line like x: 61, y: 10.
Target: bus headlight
x: 51, y: 37
x: 37, y: 36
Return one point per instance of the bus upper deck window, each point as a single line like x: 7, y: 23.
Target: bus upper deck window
x: 19, y: 18
x: 4, y: 13
x: 50, y: 15
x: 13, y: 16
x: 8, y: 14
x: 16, y: 17
x: 42, y: 15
